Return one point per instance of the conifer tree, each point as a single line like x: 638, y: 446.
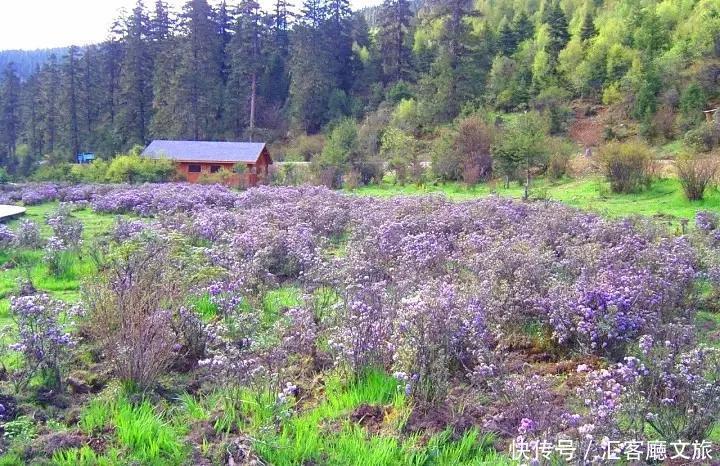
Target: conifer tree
x: 50, y: 86
x: 588, y: 31
x: 9, y: 116
x: 136, y: 77
x: 559, y: 35
x: 71, y: 100
x: 523, y: 27
x: 247, y: 61
x: 395, y: 19
x: 197, y: 84
x: 507, y: 40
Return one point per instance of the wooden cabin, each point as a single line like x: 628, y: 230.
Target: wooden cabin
x: 248, y: 162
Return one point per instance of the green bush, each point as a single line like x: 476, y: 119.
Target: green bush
x: 290, y: 174
x: 560, y: 153
x: 704, y: 138
x: 54, y: 172
x: 399, y: 91
x: 4, y: 177
x: 627, y: 166
x: 133, y: 168
x: 304, y: 148
x: 126, y: 168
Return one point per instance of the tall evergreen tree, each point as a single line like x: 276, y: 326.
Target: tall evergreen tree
x: 247, y: 65
x: 31, y: 109
x: 559, y: 35
x: 71, y: 99
x: 50, y: 87
x: 224, y: 21
x: 395, y: 20
x: 91, y: 91
x: 197, y: 86
x: 9, y: 116
x: 450, y: 81
x: 587, y: 31
x: 281, y: 26
x: 312, y: 78
x: 337, y: 38
x: 507, y: 39
x: 523, y: 27
x: 136, y: 77
x: 276, y: 80
x: 163, y: 125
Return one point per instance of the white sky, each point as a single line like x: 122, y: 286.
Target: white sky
x: 34, y: 24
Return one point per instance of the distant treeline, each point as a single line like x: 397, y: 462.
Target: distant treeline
x: 27, y: 61
x: 236, y: 72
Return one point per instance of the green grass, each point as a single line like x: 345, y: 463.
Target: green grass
x: 142, y: 432
x: 324, y: 433
x: 664, y: 198
x: 94, y: 224
x: 275, y: 301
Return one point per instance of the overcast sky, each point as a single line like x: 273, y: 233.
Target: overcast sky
x: 34, y: 24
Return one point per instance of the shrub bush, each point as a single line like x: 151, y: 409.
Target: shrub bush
x: 290, y: 174
x: 133, y: 168
x: 559, y: 160
x: 704, y: 138
x: 7, y: 237
x: 43, y: 340
x: 696, y: 173
x: 222, y: 176
x: 627, y: 166
x: 127, y: 168
x: 305, y: 147
x: 132, y: 306
x: 473, y: 142
x: 28, y: 235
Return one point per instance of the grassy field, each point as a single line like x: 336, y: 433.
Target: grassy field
x: 664, y: 199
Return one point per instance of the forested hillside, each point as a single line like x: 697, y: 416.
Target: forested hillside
x: 234, y: 72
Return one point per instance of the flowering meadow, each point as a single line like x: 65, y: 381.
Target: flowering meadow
x: 307, y: 326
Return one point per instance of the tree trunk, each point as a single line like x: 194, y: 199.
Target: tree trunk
x: 253, y: 90
x: 527, y: 184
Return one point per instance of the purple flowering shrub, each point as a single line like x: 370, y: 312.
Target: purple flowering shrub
x: 707, y: 241
x: 435, y: 329
x: 135, y: 312
x: 672, y: 386
x: 66, y: 229
x: 437, y: 292
x: 7, y: 237
x: 43, y: 340
x: 530, y: 407
x: 38, y: 194
x: 28, y: 235
x: 55, y: 256
x: 124, y: 230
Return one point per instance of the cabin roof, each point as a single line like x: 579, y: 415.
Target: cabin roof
x: 205, y: 151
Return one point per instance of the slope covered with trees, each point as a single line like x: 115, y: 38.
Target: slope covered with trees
x: 233, y: 72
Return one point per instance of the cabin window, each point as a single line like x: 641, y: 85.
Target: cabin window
x: 194, y: 168
x: 215, y: 168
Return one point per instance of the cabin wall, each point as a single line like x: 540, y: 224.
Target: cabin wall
x: 249, y: 178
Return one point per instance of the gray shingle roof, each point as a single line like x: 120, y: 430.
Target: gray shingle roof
x: 205, y: 151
